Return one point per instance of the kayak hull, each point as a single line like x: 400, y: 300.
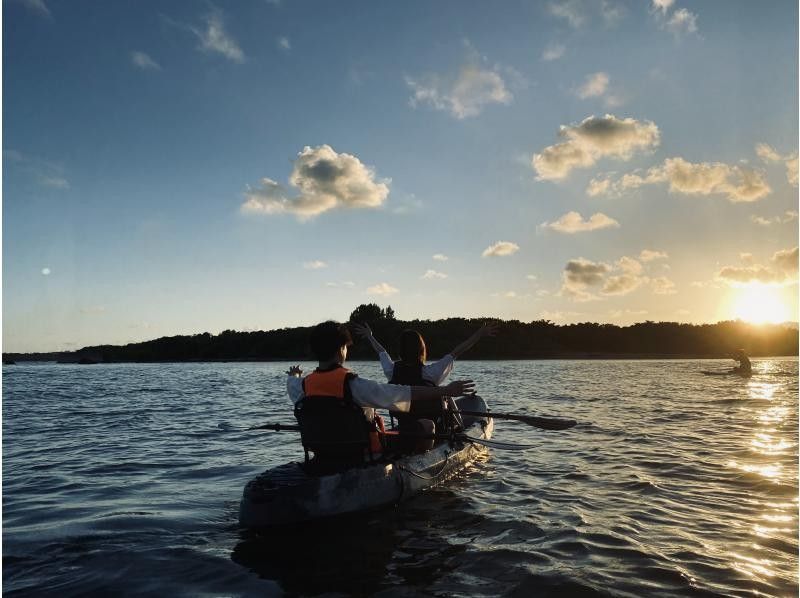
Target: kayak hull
x: 286, y: 495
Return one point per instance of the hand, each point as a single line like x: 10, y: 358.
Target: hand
x: 488, y: 329
x: 459, y: 388
x: 362, y: 329
x: 294, y: 371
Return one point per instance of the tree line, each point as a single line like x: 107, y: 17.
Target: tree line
x: 539, y: 339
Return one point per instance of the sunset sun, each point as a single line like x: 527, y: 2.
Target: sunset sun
x: 760, y: 304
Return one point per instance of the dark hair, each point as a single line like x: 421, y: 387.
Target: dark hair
x: 327, y: 338
x: 411, y: 347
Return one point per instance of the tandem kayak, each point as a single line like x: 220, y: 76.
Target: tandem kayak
x: 287, y: 495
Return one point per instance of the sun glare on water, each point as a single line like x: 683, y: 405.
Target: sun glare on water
x: 760, y: 304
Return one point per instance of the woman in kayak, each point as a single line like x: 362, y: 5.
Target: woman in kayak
x: 329, y: 342
x: 411, y: 369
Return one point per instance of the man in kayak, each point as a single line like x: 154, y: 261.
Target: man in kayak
x: 329, y: 342
x: 744, y: 368
x: 411, y: 369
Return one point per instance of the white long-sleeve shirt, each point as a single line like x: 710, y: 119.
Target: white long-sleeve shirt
x: 436, y: 372
x: 367, y: 393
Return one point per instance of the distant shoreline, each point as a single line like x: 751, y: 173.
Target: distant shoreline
x: 566, y: 357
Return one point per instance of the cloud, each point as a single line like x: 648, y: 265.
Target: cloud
x: 781, y: 269
x: 662, y: 286
x: 144, y: 62
x: 432, y: 274
x: 648, y: 255
x: 284, y: 44
x: 501, y: 248
x: 46, y: 271
x: 440, y: 257
x: 595, y: 85
x: 383, y: 289
x: 532, y: 277
x: 553, y: 52
x: 662, y: 5
x: 314, y: 265
x: 789, y: 216
x: 214, y: 39
x: 572, y: 11
x: 464, y: 95
x: 738, y: 183
x: 39, y: 7
x: 594, y: 138
x: 326, y: 180
x: 682, y: 21
x: 572, y: 222
x: 585, y: 280
x: 43, y: 172
x: 346, y: 284
x: 93, y: 310
x: 769, y: 154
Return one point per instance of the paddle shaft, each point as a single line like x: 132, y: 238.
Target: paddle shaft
x: 545, y: 423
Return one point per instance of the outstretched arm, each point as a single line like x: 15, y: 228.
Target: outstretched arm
x: 365, y: 331
x: 454, y: 389
x: 485, y: 330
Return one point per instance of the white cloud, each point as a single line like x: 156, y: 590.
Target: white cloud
x: 501, y: 248
x: 662, y: 5
x: 532, y: 277
x: 54, y: 182
x: 572, y: 222
x: 553, y: 52
x: 432, y: 274
x: 769, y: 154
x: 572, y: 11
x: 346, y: 284
x: 326, y: 180
x: 595, y: 85
x: 464, y: 95
x: 46, y: 271
x: 38, y: 6
x: 789, y: 216
x: 738, y: 183
x: 621, y: 284
x: 629, y: 265
x: 43, y: 172
x: 781, y: 269
x: 144, y: 62
x: 383, y: 289
x: 682, y: 21
x: 314, y: 265
x: 213, y: 38
x: 648, y: 255
x: 594, y: 138
x: 440, y: 257
x: 284, y: 44
x: 662, y: 286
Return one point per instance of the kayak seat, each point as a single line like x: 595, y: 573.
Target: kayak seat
x: 337, y: 432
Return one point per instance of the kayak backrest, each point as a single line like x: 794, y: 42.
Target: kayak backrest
x: 334, y: 430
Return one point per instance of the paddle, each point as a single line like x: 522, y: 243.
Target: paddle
x: 545, y: 423
x: 509, y: 446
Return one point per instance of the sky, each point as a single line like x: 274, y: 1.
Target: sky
x: 181, y: 167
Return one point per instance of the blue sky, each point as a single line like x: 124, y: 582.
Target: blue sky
x: 180, y: 167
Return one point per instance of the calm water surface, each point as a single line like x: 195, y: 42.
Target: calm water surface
x: 125, y: 479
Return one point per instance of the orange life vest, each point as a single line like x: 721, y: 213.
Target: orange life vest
x: 335, y: 383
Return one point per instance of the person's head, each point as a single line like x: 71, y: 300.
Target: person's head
x: 329, y: 341
x: 738, y: 354
x: 411, y: 347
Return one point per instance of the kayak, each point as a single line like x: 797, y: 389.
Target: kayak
x: 286, y: 494
x: 712, y: 373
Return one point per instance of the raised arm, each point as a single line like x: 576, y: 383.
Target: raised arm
x: 365, y: 331
x: 454, y: 389
x: 485, y: 330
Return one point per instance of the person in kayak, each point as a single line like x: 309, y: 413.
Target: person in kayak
x: 744, y: 368
x: 329, y: 341
x: 412, y: 369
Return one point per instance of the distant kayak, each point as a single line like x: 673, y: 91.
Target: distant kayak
x: 287, y: 494
x: 728, y: 373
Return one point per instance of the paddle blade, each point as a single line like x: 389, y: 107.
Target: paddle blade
x: 550, y: 423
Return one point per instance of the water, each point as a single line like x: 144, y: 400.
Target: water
x: 125, y: 479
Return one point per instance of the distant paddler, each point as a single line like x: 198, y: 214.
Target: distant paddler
x: 744, y: 368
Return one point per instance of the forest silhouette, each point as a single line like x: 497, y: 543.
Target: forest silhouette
x: 539, y: 339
